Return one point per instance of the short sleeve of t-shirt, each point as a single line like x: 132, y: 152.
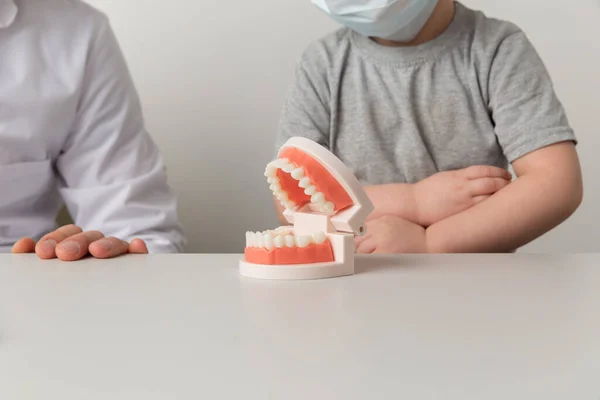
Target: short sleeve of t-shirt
x: 524, y: 107
x: 306, y: 109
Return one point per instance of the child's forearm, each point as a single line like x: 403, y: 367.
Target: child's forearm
x: 547, y: 192
x: 396, y: 199
x: 506, y: 221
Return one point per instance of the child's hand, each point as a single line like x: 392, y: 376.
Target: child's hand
x: 448, y: 193
x: 392, y: 235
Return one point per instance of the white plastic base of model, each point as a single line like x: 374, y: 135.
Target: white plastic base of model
x: 296, y: 272
x: 343, y: 253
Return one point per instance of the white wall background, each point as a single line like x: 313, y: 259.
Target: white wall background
x: 213, y: 74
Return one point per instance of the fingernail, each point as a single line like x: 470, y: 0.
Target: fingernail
x: 105, y: 244
x: 70, y: 247
x: 47, y: 247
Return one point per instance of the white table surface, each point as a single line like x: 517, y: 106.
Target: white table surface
x: 188, y: 327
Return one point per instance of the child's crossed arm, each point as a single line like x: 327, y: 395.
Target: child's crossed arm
x: 547, y: 191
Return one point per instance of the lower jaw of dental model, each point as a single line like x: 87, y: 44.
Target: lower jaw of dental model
x: 282, y: 247
x: 300, y: 183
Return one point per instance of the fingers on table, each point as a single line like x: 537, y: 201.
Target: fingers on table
x: 46, y: 247
x: 70, y: 243
x: 486, y: 171
x: 108, y: 247
x: 138, y: 246
x: 26, y: 245
x: 367, y: 246
x: 77, y: 246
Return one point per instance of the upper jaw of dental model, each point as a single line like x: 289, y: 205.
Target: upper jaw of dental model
x: 297, y: 173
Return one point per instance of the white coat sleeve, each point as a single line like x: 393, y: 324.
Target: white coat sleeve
x: 112, y: 176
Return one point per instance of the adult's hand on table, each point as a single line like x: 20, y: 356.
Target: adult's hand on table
x: 70, y: 243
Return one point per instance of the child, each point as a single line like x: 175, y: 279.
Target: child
x: 428, y: 102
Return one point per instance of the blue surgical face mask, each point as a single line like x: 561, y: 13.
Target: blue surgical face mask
x: 397, y: 20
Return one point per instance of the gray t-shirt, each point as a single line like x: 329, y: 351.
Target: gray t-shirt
x: 476, y: 95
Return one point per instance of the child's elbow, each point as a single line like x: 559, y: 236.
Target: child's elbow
x: 572, y: 174
x: 576, y: 197
x: 572, y: 197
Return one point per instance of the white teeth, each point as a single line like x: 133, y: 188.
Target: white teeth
x: 329, y: 207
x: 310, y: 190
x: 283, y: 197
x: 303, y: 241
x: 282, y: 162
x: 290, y: 241
x: 304, y: 183
x: 318, y: 198
x: 298, y: 173
x: 288, y: 168
x: 260, y: 240
x: 268, y: 239
x: 319, y: 237
x: 270, y: 171
x: 283, y: 237
x: 283, y: 230
x: 257, y: 241
x: 279, y: 242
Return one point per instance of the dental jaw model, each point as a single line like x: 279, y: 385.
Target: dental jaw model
x: 326, y: 206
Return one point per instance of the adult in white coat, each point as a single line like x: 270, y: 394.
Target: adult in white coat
x: 71, y: 129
